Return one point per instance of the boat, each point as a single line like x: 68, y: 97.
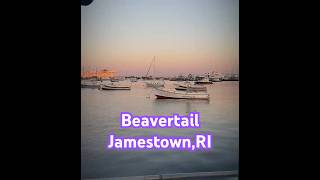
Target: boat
x: 133, y: 79
x: 190, y: 87
x: 153, y: 83
x: 203, y: 81
x: 90, y: 84
x: 216, y: 77
x: 232, y: 77
x: 114, y: 80
x: 216, y: 80
x: 162, y: 93
x: 113, y: 86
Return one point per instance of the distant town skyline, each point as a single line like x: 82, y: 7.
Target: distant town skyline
x: 185, y: 36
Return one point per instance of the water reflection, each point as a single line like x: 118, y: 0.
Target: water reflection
x: 100, y: 113
x: 190, y: 105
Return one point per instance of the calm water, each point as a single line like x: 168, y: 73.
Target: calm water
x: 100, y: 112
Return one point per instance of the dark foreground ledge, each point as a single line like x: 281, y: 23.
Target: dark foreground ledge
x: 221, y: 175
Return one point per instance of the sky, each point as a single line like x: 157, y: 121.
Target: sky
x: 185, y: 36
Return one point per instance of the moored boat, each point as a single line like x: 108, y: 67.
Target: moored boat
x: 232, y: 77
x: 113, y: 86
x: 216, y: 77
x: 203, y: 81
x: 190, y: 87
x: 155, y: 83
x: 162, y: 93
x: 133, y: 79
x: 90, y: 84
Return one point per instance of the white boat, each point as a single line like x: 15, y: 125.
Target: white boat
x: 190, y: 87
x: 162, y: 93
x: 216, y: 77
x: 204, y: 81
x: 133, y: 79
x: 113, y: 86
x: 155, y: 83
x: 90, y: 84
x: 231, y: 77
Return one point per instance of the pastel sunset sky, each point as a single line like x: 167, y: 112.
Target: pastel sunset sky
x: 185, y: 36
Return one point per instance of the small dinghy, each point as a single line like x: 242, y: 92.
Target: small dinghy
x: 162, y: 93
x: 114, y: 86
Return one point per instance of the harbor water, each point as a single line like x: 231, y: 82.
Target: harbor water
x: 100, y: 112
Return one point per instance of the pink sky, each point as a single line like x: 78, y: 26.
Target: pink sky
x: 185, y: 36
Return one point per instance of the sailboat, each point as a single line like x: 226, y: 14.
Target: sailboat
x: 89, y: 82
x: 153, y: 83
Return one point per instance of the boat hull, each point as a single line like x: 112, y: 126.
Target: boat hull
x: 155, y: 84
x: 89, y: 86
x: 197, y: 82
x: 191, y: 89
x: 163, y: 94
x: 106, y: 87
x: 216, y: 80
x: 166, y: 97
x: 181, y: 88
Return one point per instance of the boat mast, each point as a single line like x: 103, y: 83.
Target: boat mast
x: 96, y: 73
x: 149, y: 68
x: 82, y: 72
x: 154, y: 67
